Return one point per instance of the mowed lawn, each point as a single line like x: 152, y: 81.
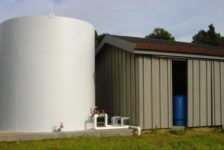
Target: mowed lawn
x: 203, y: 139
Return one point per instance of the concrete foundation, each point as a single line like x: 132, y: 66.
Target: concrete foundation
x: 25, y: 136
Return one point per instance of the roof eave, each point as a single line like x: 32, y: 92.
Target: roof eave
x: 177, y: 55
x: 117, y: 42
x: 168, y: 50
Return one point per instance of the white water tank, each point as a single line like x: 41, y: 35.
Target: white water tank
x: 46, y: 73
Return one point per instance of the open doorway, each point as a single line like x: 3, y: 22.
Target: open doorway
x: 179, y: 82
x: 179, y: 72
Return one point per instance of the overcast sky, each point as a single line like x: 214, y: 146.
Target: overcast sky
x: 182, y: 18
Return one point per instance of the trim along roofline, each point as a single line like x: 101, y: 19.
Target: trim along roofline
x: 117, y: 42
x: 161, y: 47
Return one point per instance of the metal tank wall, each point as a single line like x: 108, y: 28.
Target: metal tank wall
x: 46, y: 73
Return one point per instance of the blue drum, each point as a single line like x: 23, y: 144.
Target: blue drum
x: 179, y: 110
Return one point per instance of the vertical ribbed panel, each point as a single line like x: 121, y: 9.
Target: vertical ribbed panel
x: 124, y: 84
x: 116, y: 83
x: 133, y: 90
x: 141, y: 91
x: 190, y: 92
x: 209, y: 92
x: 199, y: 93
x: 128, y: 82
x: 155, y: 106
x: 222, y: 92
x: 147, y: 95
x: 217, y: 93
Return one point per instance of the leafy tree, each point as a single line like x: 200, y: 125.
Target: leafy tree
x: 160, y: 33
x: 96, y: 38
x: 209, y: 37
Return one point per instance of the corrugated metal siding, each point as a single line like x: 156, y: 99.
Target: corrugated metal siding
x: 199, y: 93
x: 155, y: 94
x: 217, y: 93
x: 222, y: 92
x: 116, y: 89
x: 140, y: 87
x: 205, y: 93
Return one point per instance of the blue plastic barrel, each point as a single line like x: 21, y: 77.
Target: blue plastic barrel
x: 179, y: 110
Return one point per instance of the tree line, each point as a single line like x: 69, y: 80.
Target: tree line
x: 209, y: 37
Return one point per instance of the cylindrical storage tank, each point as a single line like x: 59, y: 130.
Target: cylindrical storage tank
x: 179, y: 110
x: 46, y: 73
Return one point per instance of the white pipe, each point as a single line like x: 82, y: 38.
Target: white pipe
x: 106, y: 120
x: 123, y: 119
x: 106, y: 126
x: 114, y: 120
x: 95, y: 120
x: 98, y: 116
x: 112, y: 127
x: 137, y: 128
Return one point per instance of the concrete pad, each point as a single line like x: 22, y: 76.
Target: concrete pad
x: 29, y: 136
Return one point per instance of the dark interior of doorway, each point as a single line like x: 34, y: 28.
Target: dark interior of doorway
x: 179, y: 81
x: 179, y: 77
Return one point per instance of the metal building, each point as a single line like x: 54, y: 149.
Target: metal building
x: 138, y: 78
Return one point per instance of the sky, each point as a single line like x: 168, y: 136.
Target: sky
x: 182, y: 18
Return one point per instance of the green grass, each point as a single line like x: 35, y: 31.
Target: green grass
x: 177, y: 131
x: 196, y: 139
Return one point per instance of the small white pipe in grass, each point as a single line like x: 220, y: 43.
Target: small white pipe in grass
x: 120, y: 126
x: 136, y: 128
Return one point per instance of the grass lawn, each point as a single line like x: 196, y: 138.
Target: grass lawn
x: 204, y: 139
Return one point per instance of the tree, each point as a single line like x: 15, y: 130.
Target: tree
x: 209, y: 37
x: 98, y: 38
x: 160, y: 33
